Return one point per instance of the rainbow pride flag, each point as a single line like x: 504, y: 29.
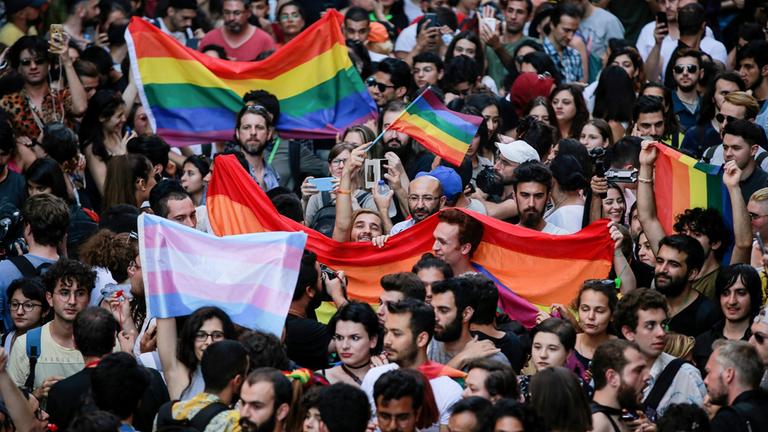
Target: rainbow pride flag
x: 445, y: 133
x: 682, y: 182
x: 250, y: 276
x: 531, y: 269
x: 192, y: 98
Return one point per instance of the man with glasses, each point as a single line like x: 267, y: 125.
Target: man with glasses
x: 759, y: 340
x: 687, y: 73
x: 425, y: 198
x: 68, y: 284
x: 241, y: 40
x: 641, y: 317
x: 391, y: 81
x: 253, y: 132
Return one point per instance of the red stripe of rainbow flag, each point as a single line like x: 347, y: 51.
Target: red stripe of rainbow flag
x: 445, y: 133
x: 535, y: 268
x: 192, y: 98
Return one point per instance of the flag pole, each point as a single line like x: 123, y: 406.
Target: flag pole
x: 381, y: 135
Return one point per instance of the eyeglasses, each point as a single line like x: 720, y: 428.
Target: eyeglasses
x: 338, y: 162
x: 690, y: 68
x: 428, y: 199
x: 38, y: 61
x: 291, y: 16
x: 26, y: 306
x: 722, y: 118
x: 519, y: 59
x: 215, y: 336
x: 371, y: 82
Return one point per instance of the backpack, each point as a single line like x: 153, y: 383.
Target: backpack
x: 325, y: 218
x: 25, y: 267
x: 198, y: 423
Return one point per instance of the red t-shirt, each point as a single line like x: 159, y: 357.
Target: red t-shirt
x: 259, y: 42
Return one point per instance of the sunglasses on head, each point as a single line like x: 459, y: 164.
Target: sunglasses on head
x: 38, y: 61
x: 690, y: 68
x: 371, y: 82
x: 722, y: 118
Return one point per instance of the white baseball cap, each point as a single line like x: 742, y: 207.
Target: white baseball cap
x: 518, y: 151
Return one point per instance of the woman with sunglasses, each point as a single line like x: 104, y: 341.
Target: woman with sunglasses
x: 28, y: 307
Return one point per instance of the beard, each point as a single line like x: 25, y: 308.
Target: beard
x: 673, y: 288
x: 627, y: 398
x: 531, y: 217
x: 757, y: 83
x: 687, y: 88
x: 267, y: 426
x: 451, y: 332
x: 399, y: 148
x: 253, y: 149
x: 403, y: 358
x: 429, y: 212
x: 234, y: 27
x: 720, y: 398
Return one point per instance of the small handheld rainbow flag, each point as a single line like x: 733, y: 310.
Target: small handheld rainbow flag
x: 682, y: 182
x: 445, y: 133
x: 192, y: 98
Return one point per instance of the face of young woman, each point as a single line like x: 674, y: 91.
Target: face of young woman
x: 564, y: 105
x: 591, y: 137
x: 614, y: 205
x: 594, y: 313
x: 191, y: 179
x: 353, y: 343
x: 548, y: 351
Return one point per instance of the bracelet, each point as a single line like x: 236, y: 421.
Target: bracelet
x: 645, y: 180
x: 342, y: 192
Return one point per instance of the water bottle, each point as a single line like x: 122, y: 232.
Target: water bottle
x: 383, y: 187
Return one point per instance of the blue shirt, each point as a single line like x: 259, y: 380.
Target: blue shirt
x: 271, y: 178
x: 569, y: 64
x: 686, y: 118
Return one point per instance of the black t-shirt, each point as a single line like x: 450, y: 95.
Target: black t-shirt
x: 696, y: 318
x: 703, y: 347
x: 758, y: 180
x: 510, y: 346
x: 13, y: 189
x: 307, y: 342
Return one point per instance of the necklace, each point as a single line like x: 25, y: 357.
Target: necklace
x: 351, y: 374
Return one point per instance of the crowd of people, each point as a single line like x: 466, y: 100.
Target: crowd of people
x: 577, y: 98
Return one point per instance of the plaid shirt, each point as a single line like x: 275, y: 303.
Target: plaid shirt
x: 569, y: 64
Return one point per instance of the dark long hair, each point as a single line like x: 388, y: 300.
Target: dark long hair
x: 47, y: 172
x: 103, y: 104
x: 185, y: 351
x: 479, y: 49
x: 582, y: 113
x: 615, y: 95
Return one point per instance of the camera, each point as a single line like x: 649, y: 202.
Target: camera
x: 628, y: 416
x: 11, y: 232
x: 621, y: 176
x: 490, y: 182
x: 329, y: 274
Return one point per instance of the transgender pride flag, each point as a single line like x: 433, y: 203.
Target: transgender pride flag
x: 249, y: 276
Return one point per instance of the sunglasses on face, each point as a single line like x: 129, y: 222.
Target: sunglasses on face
x: 722, y: 118
x: 371, y: 82
x: 690, y: 68
x: 38, y: 61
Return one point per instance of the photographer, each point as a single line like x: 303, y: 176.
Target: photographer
x: 306, y: 339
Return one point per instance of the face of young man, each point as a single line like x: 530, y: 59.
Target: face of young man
x: 671, y: 273
x: 563, y: 32
x: 728, y: 113
x: 399, y: 342
x: 254, y: 133
x: 67, y: 299
x: 357, y: 30
x: 516, y: 14
x: 634, y: 377
x: 736, y: 149
x: 396, y: 415
x: 257, y: 407
x: 735, y: 301
x: 393, y: 140
x: 651, y: 124
x: 448, y: 320
x: 181, y: 19
x: 531, y: 200
x: 183, y: 212
x: 750, y: 73
x: 687, y: 73
x: 381, y: 88
x: 650, y: 334
x: 447, y: 245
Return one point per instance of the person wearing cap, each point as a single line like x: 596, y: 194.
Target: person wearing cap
x: 532, y: 183
x: 177, y: 21
x: 379, y: 45
x: 22, y: 16
x: 569, y: 180
x: 455, y: 181
x: 426, y: 196
x: 527, y: 87
x: 508, y: 157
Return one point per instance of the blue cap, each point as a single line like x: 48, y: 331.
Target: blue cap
x: 449, y: 180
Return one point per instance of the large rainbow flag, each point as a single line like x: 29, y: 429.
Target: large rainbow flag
x: 192, y: 98
x: 531, y: 269
x: 682, y: 182
x: 251, y: 276
x: 445, y: 133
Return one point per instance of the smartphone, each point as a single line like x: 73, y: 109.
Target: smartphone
x: 323, y: 184
x: 491, y: 23
x: 661, y: 17
x: 760, y: 242
x: 432, y: 17
x: 56, y: 33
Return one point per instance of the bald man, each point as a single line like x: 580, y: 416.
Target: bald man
x: 425, y: 198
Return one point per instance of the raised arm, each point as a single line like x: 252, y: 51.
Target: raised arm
x: 175, y: 372
x: 742, y: 227
x: 343, y: 225
x: 76, y: 89
x: 646, y: 200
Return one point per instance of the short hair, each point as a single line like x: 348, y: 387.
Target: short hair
x: 756, y: 50
x: 265, y: 99
x: 745, y: 100
x: 561, y: 328
x: 461, y: 289
x: 532, y: 171
x: 609, y: 355
x: 470, y: 229
x: 344, y: 408
x: 264, y: 350
x: 357, y: 312
x: 7, y: 141
x: 152, y: 146
x: 395, y: 385
x: 120, y: 218
x: 164, y: 191
x: 258, y: 110
x: 429, y: 57
x: 59, y: 142
x: 119, y: 371
x: 690, y: 19
x: 501, y: 380
x: 94, y: 331
x: 422, y: 315
x: 289, y: 205
x: 398, y: 70
x: 86, y: 68
x: 524, y: 413
x: 565, y: 9
x: 404, y: 282
x: 429, y: 260
x: 222, y: 361
x: 486, y: 297
x: 281, y: 385
x: 356, y: 13
x: 748, y: 131
x: 95, y: 421
x: 307, y: 274
x: 528, y: 4
x: 646, y: 105
x: 67, y: 272
x: 694, y: 253
x: 460, y: 69
x: 480, y: 407
x: 557, y: 389
x: 47, y: 217
x: 760, y: 195
x: 634, y: 301
x: 742, y: 357
x: 727, y: 276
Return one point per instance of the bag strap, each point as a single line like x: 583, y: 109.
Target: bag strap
x: 34, y: 350
x: 708, y: 153
x: 761, y: 157
x: 662, y: 383
x: 204, y: 416
x: 165, y: 414
x: 326, y: 197
x: 362, y: 197
x: 24, y: 265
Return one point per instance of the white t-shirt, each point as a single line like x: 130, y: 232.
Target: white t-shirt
x: 412, y: 9
x: 406, y: 42
x: 568, y: 218
x: 709, y: 45
x: 646, y: 41
x: 55, y: 360
x: 447, y: 391
x: 554, y: 229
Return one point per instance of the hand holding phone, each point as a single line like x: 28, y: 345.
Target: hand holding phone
x: 323, y: 184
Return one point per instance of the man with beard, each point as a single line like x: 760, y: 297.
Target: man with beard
x: 224, y: 365
x: 265, y: 401
x: 641, y: 317
x: 177, y: 21
x: 501, y: 47
x: 454, y: 345
x: 409, y: 328
x: 82, y: 22
x: 508, y: 157
x: 253, y: 131
x: 399, y: 397
x: 241, y: 40
x: 400, y: 144
x: 306, y: 339
x: 751, y: 62
x: 620, y: 374
x: 687, y: 73
x: 457, y: 237
x: 532, y: 185
x: 22, y: 16
x: 678, y: 263
x: 425, y: 198
x: 733, y: 378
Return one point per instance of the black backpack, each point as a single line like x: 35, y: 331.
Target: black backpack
x: 198, y: 423
x: 325, y: 218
